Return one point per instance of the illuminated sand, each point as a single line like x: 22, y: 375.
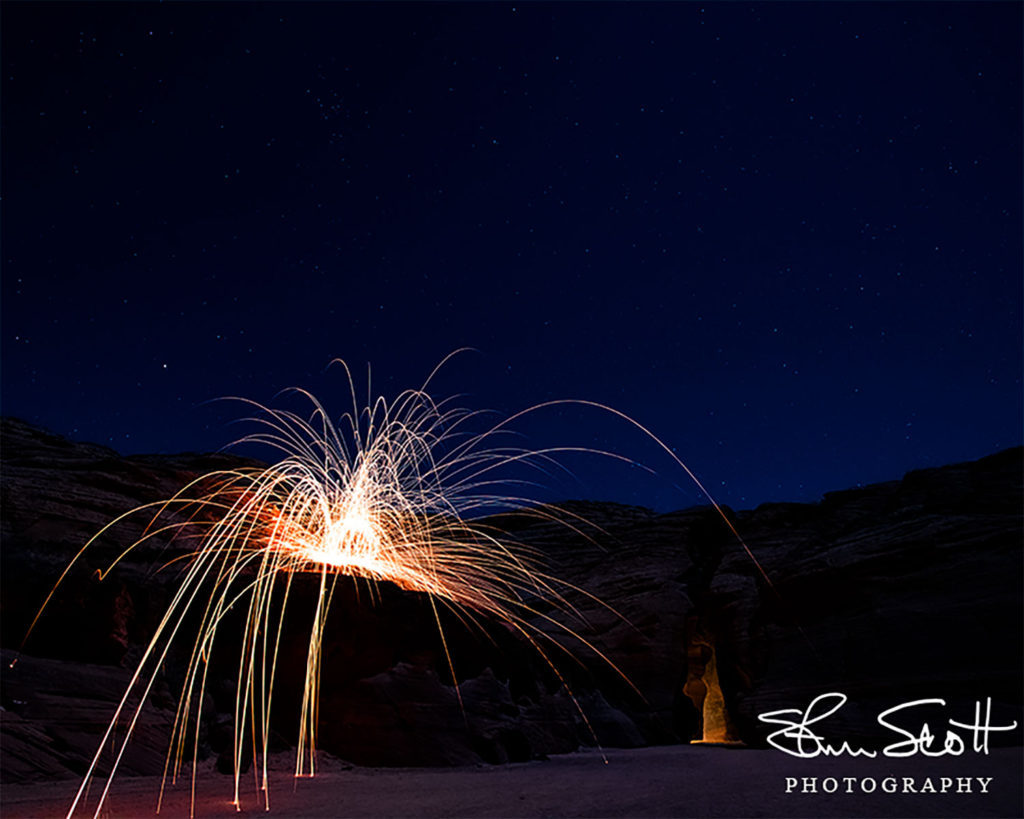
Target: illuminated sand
x: 676, y: 780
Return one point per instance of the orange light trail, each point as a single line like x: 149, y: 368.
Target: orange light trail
x: 391, y: 493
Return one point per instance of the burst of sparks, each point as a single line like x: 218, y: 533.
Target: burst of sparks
x: 394, y: 492
x: 389, y: 493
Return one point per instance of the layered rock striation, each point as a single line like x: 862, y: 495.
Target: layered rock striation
x: 667, y: 630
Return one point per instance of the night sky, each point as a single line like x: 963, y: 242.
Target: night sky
x: 784, y: 237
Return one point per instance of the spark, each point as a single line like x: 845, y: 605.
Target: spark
x: 393, y: 492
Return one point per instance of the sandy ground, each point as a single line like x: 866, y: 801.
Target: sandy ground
x: 683, y: 781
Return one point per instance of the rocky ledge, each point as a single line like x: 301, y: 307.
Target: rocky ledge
x: 671, y: 631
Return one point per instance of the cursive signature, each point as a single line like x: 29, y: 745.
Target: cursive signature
x: 796, y: 738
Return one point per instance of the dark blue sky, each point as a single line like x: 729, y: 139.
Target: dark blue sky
x: 786, y: 237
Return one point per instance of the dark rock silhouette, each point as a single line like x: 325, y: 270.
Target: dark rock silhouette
x: 56, y: 713
x: 887, y: 593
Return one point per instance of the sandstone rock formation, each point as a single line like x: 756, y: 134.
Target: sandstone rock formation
x: 887, y: 593
x: 670, y: 631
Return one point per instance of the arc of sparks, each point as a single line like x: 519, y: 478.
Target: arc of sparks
x: 388, y: 494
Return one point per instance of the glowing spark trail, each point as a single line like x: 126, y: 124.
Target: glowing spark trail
x: 388, y: 494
